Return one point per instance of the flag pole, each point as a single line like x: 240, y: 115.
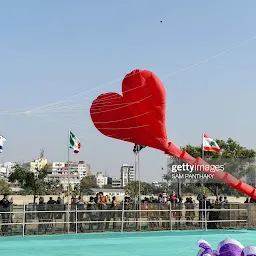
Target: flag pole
x: 204, y: 198
x: 136, y: 194
x: 135, y: 169
x: 203, y: 159
x: 138, y: 166
x: 68, y: 165
x: 68, y: 174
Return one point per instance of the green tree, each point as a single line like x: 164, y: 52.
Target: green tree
x: 33, y: 182
x: 71, y: 191
x: 53, y: 187
x: 87, y: 183
x: 108, y: 186
x: 237, y: 160
x: 4, y: 187
x: 133, y: 188
x: 77, y: 190
x: 158, y: 190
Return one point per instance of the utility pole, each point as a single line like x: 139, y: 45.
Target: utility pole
x: 179, y: 182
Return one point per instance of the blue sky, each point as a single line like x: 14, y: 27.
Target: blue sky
x: 52, y: 50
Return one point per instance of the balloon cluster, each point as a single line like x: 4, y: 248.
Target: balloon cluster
x: 227, y: 247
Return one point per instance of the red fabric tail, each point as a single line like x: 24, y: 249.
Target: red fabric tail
x: 220, y: 175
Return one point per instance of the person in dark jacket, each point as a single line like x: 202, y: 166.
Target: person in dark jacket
x: 42, y: 215
x: 204, y: 204
x: 5, y: 209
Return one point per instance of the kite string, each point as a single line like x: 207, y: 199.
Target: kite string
x: 82, y: 108
x: 168, y: 75
x: 100, y: 101
x: 88, y: 91
x: 119, y: 120
x: 110, y: 97
x: 21, y: 111
x: 79, y: 106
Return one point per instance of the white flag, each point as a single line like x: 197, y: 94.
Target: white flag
x: 2, y: 140
x: 210, y: 145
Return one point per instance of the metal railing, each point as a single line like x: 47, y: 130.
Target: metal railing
x: 54, y: 219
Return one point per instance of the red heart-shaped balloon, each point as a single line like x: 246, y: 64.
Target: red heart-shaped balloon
x: 138, y: 116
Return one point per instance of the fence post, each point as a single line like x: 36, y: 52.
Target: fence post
x: 171, y: 216
x: 76, y: 219
x: 23, y: 220
x: 248, y: 215
x: 205, y: 214
x: 122, y: 218
x: 68, y: 216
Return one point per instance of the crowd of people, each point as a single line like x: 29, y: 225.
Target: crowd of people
x: 103, y: 209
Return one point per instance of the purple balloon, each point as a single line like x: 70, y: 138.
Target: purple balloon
x: 205, y: 250
x: 227, y: 247
x: 249, y: 251
x: 230, y: 247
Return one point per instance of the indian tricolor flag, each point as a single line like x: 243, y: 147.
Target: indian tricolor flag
x: 209, y: 144
x: 74, y: 142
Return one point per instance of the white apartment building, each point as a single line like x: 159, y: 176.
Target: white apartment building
x: 77, y: 171
x: 2, y: 172
x: 116, y: 182
x: 101, y: 179
x: 83, y: 169
x: 6, y: 169
x: 127, y: 174
x: 80, y: 168
x: 156, y: 184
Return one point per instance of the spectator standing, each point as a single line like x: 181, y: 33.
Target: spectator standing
x: 5, y: 209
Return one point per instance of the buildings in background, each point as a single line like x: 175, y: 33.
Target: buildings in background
x: 158, y: 184
x: 116, y: 182
x: 101, y: 179
x: 37, y: 164
x: 6, y: 170
x: 56, y: 170
x: 77, y: 171
x: 127, y: 174
x: 59, y: 171
x: 68, y: 172
x: 109, y: 192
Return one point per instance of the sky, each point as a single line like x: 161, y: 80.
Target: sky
x: 203, y: 51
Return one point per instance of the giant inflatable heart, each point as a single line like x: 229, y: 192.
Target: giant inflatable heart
x: 138, y: 116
